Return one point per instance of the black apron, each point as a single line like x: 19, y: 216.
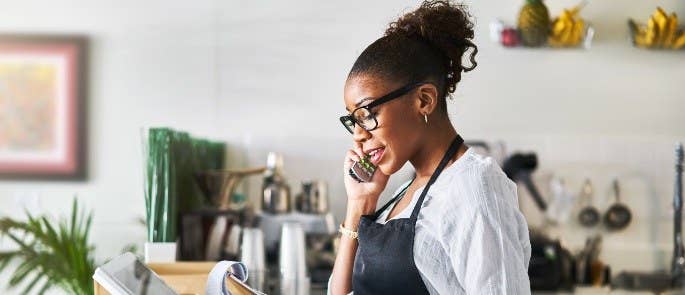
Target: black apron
x: 384, y: 263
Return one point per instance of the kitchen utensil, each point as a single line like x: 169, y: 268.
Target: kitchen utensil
x: 275, y: 190
x: 252, y: 255
x: 588, y: 215
x: 618, y: 215
x: 313, y: 198
x: 520, y: 167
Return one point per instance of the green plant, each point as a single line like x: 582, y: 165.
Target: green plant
x: 170, y: 160
x: 51, y: 253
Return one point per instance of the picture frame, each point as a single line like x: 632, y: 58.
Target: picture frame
x: 43, y: 106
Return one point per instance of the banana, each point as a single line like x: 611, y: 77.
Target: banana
x: 679, y: 42
x: 660, y: 15
x: 566, y: 34
x: 671, y: 30
x: 567, y: 28
x: 652, y: 34
x: 661, y: 19
x: 661, y: 31
x: 558, y: 26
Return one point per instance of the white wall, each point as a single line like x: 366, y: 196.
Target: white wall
x: 269, y: 77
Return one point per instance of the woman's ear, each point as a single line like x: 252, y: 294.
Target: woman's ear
x: 428, y: 98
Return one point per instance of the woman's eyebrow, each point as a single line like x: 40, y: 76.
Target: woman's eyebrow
x: 360, y: 102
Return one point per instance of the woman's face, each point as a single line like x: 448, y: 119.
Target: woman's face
x: 400, y: 122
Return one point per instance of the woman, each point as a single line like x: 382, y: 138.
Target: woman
x: 456, y: 227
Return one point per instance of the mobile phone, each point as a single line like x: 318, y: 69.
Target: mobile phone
x: 363, y: 170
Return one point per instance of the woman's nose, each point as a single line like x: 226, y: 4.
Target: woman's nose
x: 360, y: 134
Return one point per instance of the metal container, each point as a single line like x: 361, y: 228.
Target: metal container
x: 313, y: 198
x: 276, y: 198
x: 275, y: 190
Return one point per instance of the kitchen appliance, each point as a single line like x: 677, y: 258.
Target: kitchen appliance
x: 275, y: 189
x: 213, y: 233
x: 313, y: 198
x: 312, y: 224
x: 551, y: 266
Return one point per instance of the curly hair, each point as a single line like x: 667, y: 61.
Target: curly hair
x: 427, y: 44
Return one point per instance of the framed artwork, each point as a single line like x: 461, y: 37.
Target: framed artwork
x: 42, y: 106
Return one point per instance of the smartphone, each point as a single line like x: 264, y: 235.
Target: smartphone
x: 363, y: 170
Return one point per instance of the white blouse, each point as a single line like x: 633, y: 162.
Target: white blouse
x: 471, y: 237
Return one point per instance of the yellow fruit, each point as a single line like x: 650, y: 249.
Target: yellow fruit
x: 660, y: 14
x: 671, y: 30
x: 558, y: 26
x: 679, y: 42
x: 567, y: 28
x: 652, y: 34
x: 578, y: 30
x: 661, y: 19
x: 566, y: 34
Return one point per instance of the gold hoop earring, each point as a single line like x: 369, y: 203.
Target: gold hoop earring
x: 425, y: 118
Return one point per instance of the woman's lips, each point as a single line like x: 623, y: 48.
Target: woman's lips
x: 376, y: 155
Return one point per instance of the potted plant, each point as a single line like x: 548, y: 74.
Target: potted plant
x: 51, y: 253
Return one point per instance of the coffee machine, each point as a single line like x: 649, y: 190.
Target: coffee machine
x: 310, y: 208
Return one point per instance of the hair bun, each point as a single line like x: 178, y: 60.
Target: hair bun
x: 446, y: 27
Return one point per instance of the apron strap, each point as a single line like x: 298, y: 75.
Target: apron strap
x: 451, y: 151
x: 400, y: 194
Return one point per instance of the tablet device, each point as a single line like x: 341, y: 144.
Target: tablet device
x: 126, y: 275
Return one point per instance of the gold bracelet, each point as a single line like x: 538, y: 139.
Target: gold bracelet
x: 350, y: 233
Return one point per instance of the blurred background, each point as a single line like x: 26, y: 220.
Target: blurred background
x: 267, y: 76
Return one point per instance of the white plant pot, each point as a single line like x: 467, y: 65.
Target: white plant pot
x: 160, y: 252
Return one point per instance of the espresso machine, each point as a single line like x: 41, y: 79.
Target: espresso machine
x: 309, y: 207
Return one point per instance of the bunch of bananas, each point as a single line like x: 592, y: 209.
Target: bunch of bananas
x: 661, y: 31
x: 567, y: 29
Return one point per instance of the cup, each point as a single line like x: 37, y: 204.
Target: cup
x: 252, y: 255
x: 292, y: 251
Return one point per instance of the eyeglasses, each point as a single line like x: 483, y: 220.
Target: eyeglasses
x: 363, y: 115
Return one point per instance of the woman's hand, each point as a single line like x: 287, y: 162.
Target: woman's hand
x: 361, y: 200
x: 361, y: 196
